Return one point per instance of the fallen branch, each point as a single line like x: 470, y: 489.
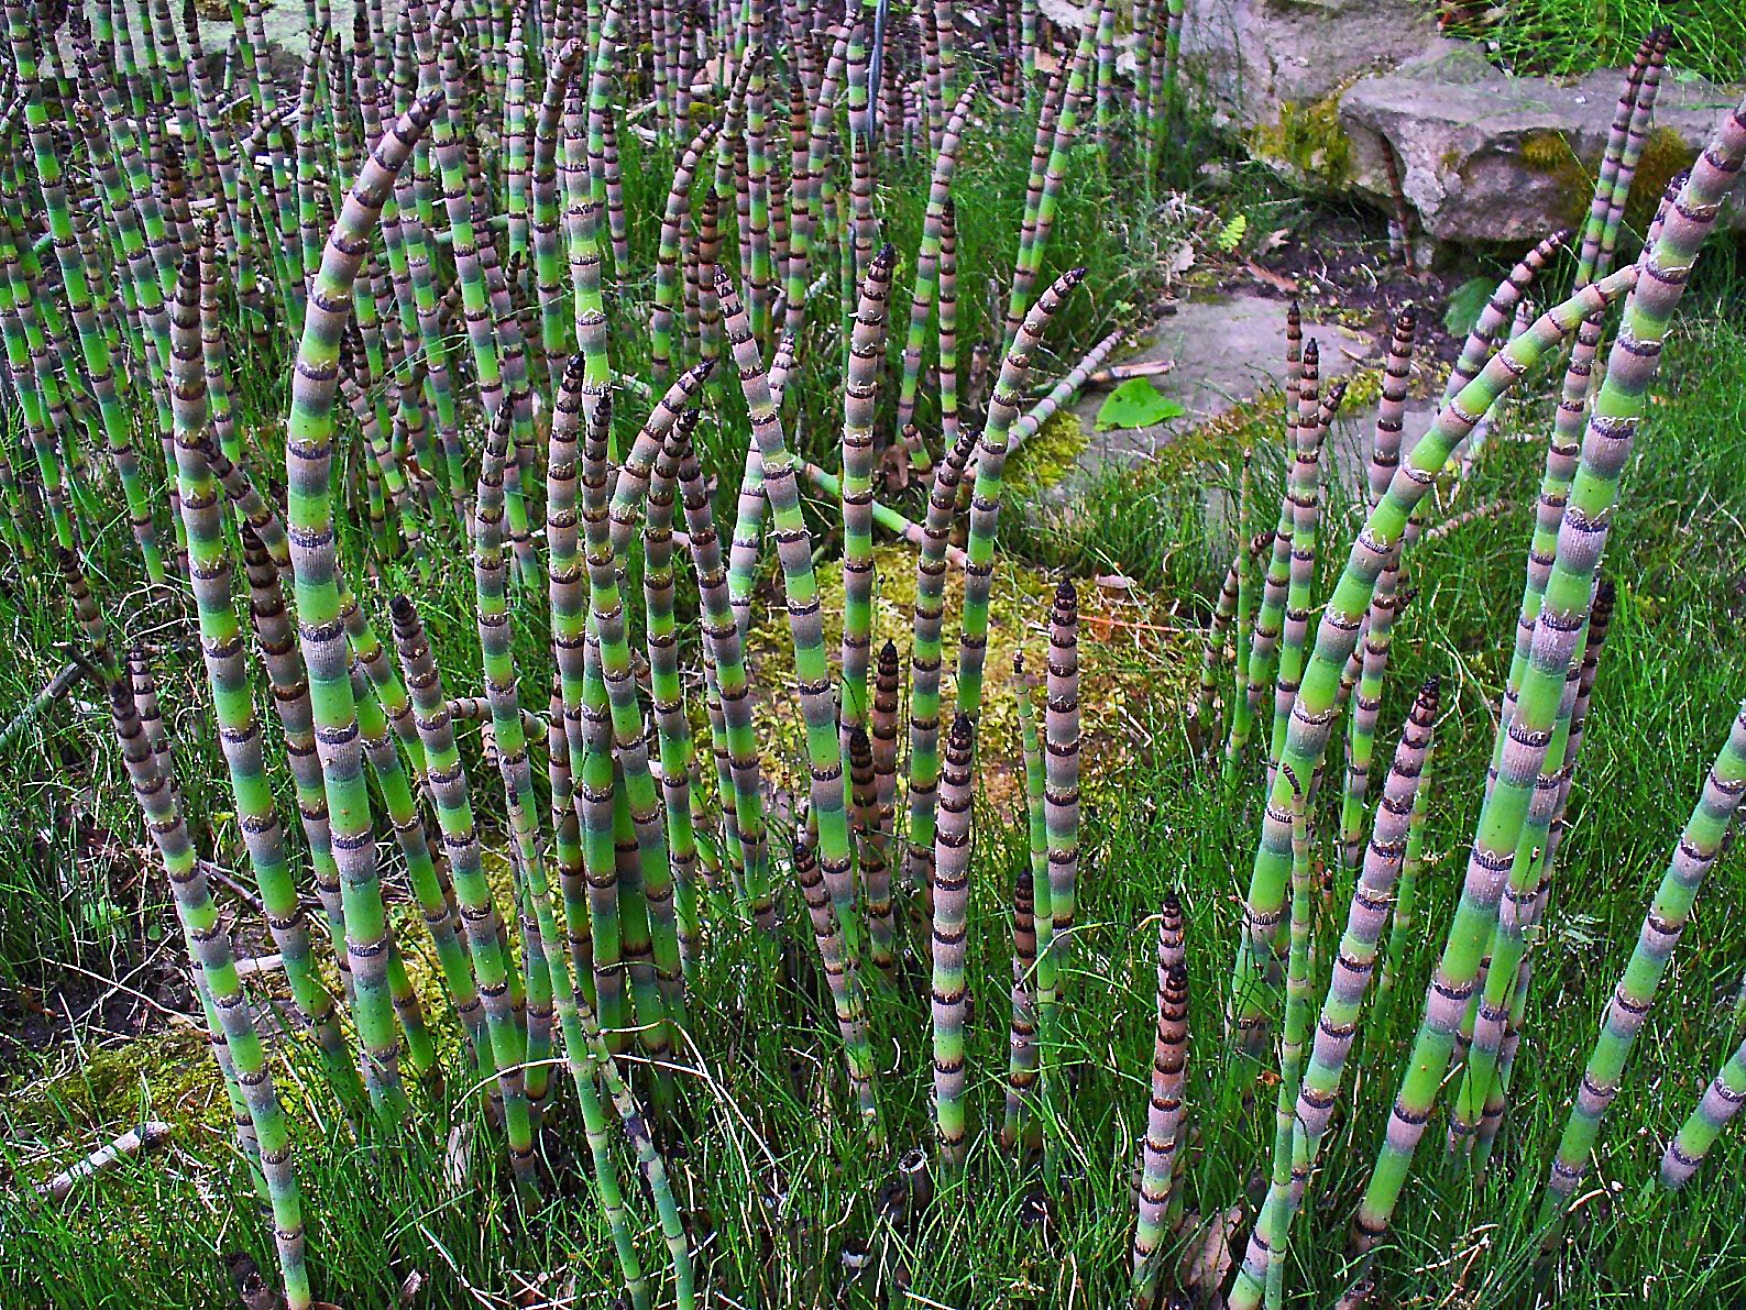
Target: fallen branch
x: 58, y: 686
x: 148, y: 1136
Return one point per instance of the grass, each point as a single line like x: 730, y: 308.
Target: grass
x: 781, y: 1197
x: 1562, y: 37
x: 790, y: 1192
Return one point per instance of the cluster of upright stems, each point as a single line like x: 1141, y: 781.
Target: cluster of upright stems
x: 436, y: 217
x: 433, y: 214
x: 1479, y: 986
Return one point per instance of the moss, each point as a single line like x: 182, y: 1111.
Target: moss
x: 1131, y: 655
x: 1363, y: 390
x: 1307, y: 138
x: 1549, y: 155
x: 1048, y: 456
x: 166, y: 1075
x: 1665, y: 153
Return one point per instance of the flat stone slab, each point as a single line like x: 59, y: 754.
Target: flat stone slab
x: 1229, y: 348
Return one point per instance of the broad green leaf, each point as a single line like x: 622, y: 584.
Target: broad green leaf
x: 1136, y: 404
x: 1466, y: 303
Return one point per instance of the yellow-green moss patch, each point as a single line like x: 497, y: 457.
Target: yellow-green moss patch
x: 1308, y: 139
x: 1048, y: 456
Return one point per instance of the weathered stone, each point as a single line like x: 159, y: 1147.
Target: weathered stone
x: 1248, y: 60
x: 1228, y: 348
x: 1485, y: 157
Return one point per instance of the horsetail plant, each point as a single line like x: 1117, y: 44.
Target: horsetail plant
x: 1693, y: 855
x: 1617, y: 411
x: 1311, y: 721
x: 952, y: 842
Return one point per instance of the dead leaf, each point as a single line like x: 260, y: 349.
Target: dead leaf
x: 253, y: 1292
x: 458, y: 1159
x: 1267, y: 277
x: 1207, y: 1257
x: 897, y: 466
x: 1359, y: 1296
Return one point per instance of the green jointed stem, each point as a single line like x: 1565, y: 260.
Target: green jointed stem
x: 812, y: 668
x: 582, y: 1037
x: 95, y: 348
x: 516, y: 168
x: 991, y: 451
x: 725, y: 678
x: 580, y: 389
x: 667, y: 257
x: 1312, y: 714
x: 810, y: 188
x: 1354, y: 962
x: 1693, y: 854
x: 635, y: 473
x: 1618, y: 409
x: 1384, y: 605
x: 1023, y: 1066
x: 1066, y: 131
x: 1301, y: 493
x: 31, y: 382
x: 1105, y: 77
x: 1356, y: 959
x: 755, y: 229
x: 1600, y: 619
x: 603, y: 168
x: 1021, y: 1075
x: 952, y: 849
x: 1498, y: 314
x: 1203, y: 725
x: 1402, y: 927
x: 548, y: 263
x: 510, y: 740
x: 427, y: 886
x: 1262, y: 1274
x: 479, y: 916
x: 321, y: 631
x: 1562, y: 456
x: 667, y: 692
x: 863, y: 226
x: 876, y: 855
x: 222, y: 646
x: 1720, y: 1102
x: 1302, y: 373
x: 630, y: 740
x: 209, y: 946
x: 1064, y: 390
x: 1625, y: 140
x: 871, y: 853
x: 860, y: 398
x: 1061, y: 773
x: 1505, y: 955
x: 1242, y: 708
x: 948, y: 361
x: 1161, y: 1149
x: 927, y: 264
x: 284, y: 665
x: 924, y: 680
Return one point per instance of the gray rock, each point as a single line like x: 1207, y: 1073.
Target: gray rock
x: 1486, y: 157
x: 1227, y: 349
x: 1245, y: 58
